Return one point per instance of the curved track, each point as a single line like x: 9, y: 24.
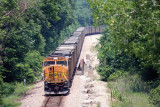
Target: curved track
x: 52, y: 101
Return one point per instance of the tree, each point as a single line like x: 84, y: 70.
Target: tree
x: 134, y: 26
x: 24, y: 37
x: 83, y: 13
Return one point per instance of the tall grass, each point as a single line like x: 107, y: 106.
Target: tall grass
x: 12, y: 92
x: 129, y: 91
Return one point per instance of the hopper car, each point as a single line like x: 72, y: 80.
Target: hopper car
x: 60, y: 65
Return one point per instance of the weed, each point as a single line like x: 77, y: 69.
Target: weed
x: 130, y: 91
x: 98, y: 104
x: 96, y: 78
x: 155, y: 96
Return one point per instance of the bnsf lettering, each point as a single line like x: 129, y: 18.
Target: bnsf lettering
x: 58, y: 74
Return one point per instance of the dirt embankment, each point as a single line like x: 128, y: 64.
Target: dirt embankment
x: 86, y: 90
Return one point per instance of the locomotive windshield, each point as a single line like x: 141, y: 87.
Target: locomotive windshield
x: 48, y: 63
x: 63, y: 63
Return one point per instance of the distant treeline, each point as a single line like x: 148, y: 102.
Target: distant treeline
x: 30, y: 30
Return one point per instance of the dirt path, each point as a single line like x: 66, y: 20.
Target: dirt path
x: 34, y: 97
x: 84, y: 92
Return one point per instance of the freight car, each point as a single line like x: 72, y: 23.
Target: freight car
x: 60, y: 65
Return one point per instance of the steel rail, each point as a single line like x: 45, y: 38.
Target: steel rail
x: 57, y: 104
x: 60, y: 100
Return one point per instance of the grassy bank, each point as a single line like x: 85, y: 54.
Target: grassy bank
x: 11, y: 92
x: 129, y: 91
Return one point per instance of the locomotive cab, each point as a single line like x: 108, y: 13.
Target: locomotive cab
x: 55, y: 75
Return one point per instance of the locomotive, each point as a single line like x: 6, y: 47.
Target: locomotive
x: 60, y: 65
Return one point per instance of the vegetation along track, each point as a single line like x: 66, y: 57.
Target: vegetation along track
x: 53, y: 101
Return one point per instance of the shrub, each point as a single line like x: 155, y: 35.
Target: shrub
x: 155, y: 96
x: 7, y: 89
x: 116, y: 75
x: 105, y: 71
x: 1, y: 83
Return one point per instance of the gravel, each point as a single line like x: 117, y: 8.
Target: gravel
x: 34, y: 97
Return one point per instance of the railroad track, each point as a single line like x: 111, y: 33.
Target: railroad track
x: 53, y: 101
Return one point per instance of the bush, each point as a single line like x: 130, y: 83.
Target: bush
x: 116, y: 75
x: 34, y: 60
x: 105, y: 71
x: 25, y: 72
x: 7, y: 89
x: 1, y: 83
x: 155, y: 96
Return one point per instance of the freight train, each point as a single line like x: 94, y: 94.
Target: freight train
x: 60, y: 65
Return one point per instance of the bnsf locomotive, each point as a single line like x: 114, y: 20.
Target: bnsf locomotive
x: 60, y: 65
